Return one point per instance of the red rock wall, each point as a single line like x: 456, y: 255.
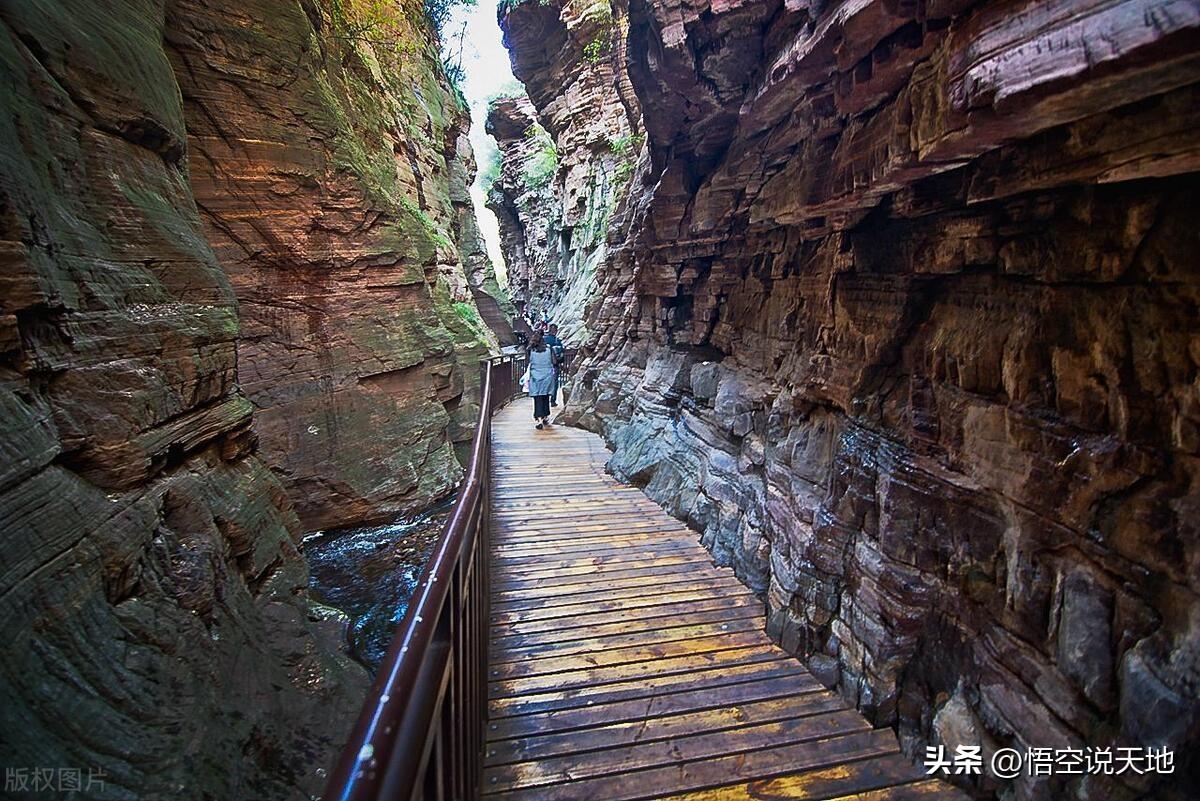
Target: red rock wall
x: 907, y: 325
x: 233, y: 308
x: 152, y: 595
x: 322, y: 164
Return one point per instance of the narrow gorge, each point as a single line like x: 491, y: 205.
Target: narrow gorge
x: 243, y: 299
x: 894, y: 303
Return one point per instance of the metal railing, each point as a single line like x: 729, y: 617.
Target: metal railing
x: 420, y: 734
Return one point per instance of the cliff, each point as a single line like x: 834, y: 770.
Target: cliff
x: 233, y: 308
x: 902, y: 315
x: 567, y: 154
x: 327, y: 153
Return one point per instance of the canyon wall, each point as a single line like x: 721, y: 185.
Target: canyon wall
x: 904, y: 318
x: 327, y: 164
x: 568, y: 152
x: 233, y: 308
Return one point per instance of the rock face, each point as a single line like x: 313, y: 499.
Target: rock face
x: 228, y: 313
x: 155, y: 626
x: 905, y: 319
x: 568, y: 151
x: 494, y: 305
x: 327, y: 168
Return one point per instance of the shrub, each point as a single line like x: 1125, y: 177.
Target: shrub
x: 543, y: 164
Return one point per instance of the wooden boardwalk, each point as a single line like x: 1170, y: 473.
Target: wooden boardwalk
x: 624, y: 665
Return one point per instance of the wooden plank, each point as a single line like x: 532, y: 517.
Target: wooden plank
x: 504, y: 653
x: 584, y: 545
x: 916, y: 791
x: 877, y: 779
x: 671, y: 695
x: 514, y: 483
x: 525, y: 530
x: 583, y: 542
x: 685, y: 663
x: 600, y: 733
x: 713, y: 610
x: 510, y: 565
x: 549, y: 710
x: 502, y: 603
x: 528, y: 523
x: 570, y: 501
x: 577, y: 543
x: 500, y: 671
x: 509, y: 577
x: 521, y: 612
x: 715, y: 771
x: 589, y: 578
x: 602, y: 506
x: 619, y: 588
x: 683, y: 748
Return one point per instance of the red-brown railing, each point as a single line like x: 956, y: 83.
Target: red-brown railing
x: 420, y: 734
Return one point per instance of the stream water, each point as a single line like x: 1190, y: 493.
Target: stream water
x: 370, y: 573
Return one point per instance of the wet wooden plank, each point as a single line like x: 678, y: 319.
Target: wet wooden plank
x: 546, y: 715
x: 705, y: 744
x: 653, y: 652
x: 714, y: 610
x: 600, y: 734
x: 519, y: 531
x: 550, y: 710
x: 797, y: 757
x: 583, y: 586
x: 524, y: 566
x: 627, y: 590
x: 889, y: 778
x: 582, y: 577
x: 517, y: 611
x: 663, y: 666
x: 592, y: 649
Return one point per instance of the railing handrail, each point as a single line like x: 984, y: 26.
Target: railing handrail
x: 402, y: 703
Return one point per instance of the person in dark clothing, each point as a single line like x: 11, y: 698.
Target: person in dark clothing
x: 555, y: 344
x: 542, y: 364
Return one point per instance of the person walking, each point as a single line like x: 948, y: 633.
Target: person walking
x: 560, y: 362
x: 542, y: 364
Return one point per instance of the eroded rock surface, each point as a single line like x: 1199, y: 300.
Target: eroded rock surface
x: 568, y: 152
x: 154, y: 618
x: 232, y: 307
x: 906, y: 322
x: 326, y: 169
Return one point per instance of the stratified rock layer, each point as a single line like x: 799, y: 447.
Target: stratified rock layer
x: 907, y: 323
x: 152, y: 596
x: 237, y: 303
x: 324, y: 164
x: 566, y: 157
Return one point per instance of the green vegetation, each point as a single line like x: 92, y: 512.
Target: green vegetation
x: 511, y: 89
x: 626, y: 149
x: 606, y: 32
x: 387, y: 26
x: 597, y: 49
x: 377, y: 21
x: 469, y: 313
x: 626, y: 146
x: 436, y: 236
x: 491, y: 170
x: 543, y: 164
x: 438, y: 12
